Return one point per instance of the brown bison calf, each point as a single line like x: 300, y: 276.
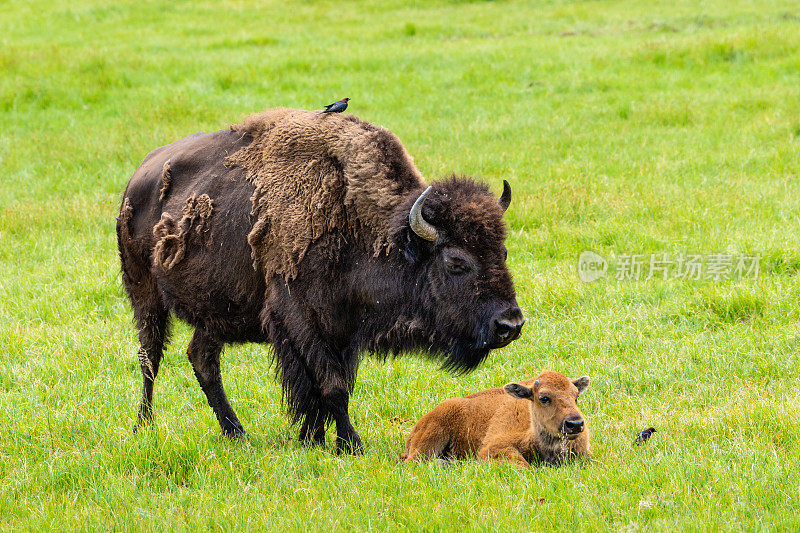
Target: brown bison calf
x: 537, y: 419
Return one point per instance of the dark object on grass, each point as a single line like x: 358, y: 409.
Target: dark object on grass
x: 643, y: 435
x: 336, y: 107
x: 320, y: 238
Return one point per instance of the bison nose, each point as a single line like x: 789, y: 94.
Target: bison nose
x: 508, y: 325
x: 572, y: 427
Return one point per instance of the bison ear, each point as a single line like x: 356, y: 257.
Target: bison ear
x: 505, y: 198
x: 410, y: 248
x: 414, y: 248
x: 518, y: 391
x: 581, y: 383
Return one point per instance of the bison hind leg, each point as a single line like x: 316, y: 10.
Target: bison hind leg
x: 149, y: 311
x: 204, y: 352
x: 428, y: 440
x: 153, y: 325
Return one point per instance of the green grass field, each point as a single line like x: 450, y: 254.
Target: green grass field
x: 623, y: 127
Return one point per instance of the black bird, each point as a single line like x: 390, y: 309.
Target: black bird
x: 643, y: 435
x: 336, y: 107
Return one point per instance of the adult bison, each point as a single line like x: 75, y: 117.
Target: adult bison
x: 317, y: 235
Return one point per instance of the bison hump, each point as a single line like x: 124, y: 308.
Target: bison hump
x: 316, y: 175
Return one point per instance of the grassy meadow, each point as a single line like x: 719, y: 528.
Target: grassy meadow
x: 624, y: 127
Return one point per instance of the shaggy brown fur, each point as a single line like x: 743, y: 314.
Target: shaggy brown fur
x: 313, y: 177
x: 519, y: 423
x: 125, y: 215
x: 166, y: 181
x: 322, y: 209
x: 173, y: 237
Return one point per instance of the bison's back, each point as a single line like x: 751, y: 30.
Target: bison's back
x: 186, y: 217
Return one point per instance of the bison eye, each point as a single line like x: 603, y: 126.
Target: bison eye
x: 456, y: 265
x: 505, y: 254
x: 544, y: 399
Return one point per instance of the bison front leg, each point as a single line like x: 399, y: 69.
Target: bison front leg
x: 317, y: 390
x: 347, y: 440
x: 335, y: 408
x: 503, y: 453
x: 313, y: 429
x: 316, y: 378
x: 335, y: 374
x: 204, y: 352
x: 329, y: 403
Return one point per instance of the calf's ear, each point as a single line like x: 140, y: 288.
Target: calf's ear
x: 518, y: 391
x: 581, y: 383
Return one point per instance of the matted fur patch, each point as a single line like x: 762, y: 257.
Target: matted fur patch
x: 173, y: 236
x: 316, y: 175
x: 166, y: 181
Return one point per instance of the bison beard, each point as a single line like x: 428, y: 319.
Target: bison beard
x: 314, y: 236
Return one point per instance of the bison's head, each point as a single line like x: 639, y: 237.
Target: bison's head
x: 555, y: 409
x: 452, y: 237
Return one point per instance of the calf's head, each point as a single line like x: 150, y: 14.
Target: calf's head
x: 452, y: 237
x: 554, y: 403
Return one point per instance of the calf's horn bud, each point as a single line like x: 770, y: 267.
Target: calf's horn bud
x: 418, y: 224
x: 505, y: 198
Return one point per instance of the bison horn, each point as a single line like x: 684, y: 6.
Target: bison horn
x: 418, y: 224
x: 505, y: 198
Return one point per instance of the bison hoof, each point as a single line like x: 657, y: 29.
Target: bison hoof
x: 142, y: 422
x: 234, y: 433
x: 349, y: 444
x: 316, y: 440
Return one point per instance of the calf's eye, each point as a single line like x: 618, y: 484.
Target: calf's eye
x: 544, y: 400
